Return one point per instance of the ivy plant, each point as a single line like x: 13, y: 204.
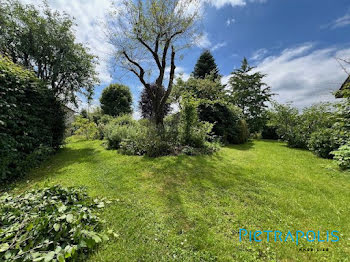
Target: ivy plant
x: 50, y: 224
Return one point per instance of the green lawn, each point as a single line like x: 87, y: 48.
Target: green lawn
x: 191, y: 208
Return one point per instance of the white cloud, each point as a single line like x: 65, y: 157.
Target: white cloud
x: 89, y: 17
x: 225, y: 79
x: 303, y: 74
x: 259, y: 54
x: 230, y: 21
x: 218, y: 46
x: 202, y: 41
x: 180, y: 72
x: 340, y: 22
x: 221, y: 3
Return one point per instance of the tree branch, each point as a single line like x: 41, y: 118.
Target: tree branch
x: 142, y: 71
x: 153, y: 52
x: 172, y: 74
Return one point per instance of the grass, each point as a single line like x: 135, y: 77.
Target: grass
x: 191, y: 208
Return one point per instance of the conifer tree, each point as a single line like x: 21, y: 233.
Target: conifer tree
x: 249, y: 93
x: 205, y: 66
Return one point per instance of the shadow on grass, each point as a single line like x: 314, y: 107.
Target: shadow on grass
x: 243, y: 147
x: 186, y: 181
x: 54, y: 165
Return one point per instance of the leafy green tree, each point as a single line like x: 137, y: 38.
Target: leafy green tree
x: 285, y: 119
x: 250, y: 94
x: 44, y: 41
x: 205, y: 66
x: 149, y: 34
x: 116, y: 100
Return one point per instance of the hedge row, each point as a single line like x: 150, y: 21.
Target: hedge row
x: 31, y: 120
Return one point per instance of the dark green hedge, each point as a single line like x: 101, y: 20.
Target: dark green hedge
x: 31, y: 120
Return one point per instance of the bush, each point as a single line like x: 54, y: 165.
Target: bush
x: 342, y: 124
x: 295, y: 128
x: 148, y: 140
x: 85, y: 128
x: 227, y: 122
x: 119, y: 129
x: 342, y: 156
x: 323, y: 142
x: 213, y: 107
x: 50, y: 224
x: 30, y: 118
x: 269, y: 132
x: 192, y: 132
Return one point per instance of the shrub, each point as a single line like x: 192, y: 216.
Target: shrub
x: 323, y: 142
x: 242, y: 133
x: 269, y: 132
x: 50, y: 224
x: 295, y: 128
x: 31, y: 117
x: 342, y: 124
x: 150, y: 141
x: 119, y: 129
x: 85, y: 128
x: 342, y: 156
x: 213, y: 107
x: 192, y: 132
x: 227, y: 122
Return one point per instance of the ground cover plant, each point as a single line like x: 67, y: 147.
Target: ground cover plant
x: 181, y: 208
x: 49, y: 224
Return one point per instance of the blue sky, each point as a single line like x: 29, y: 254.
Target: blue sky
x: 295, y: 42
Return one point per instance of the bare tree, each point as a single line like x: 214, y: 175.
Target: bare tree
x: 147, y: 36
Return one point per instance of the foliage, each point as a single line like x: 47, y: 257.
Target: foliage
x: 206, y: 66
x: 316, y: 117
x: 117, y: 133
x: 193, y: 132
x: 227, y: 121
x: 121, y: 128
x: 208, y: 89
x: 213, y: 107
x: 284, y: 118
x: 116, y: 100
x: 323, y: 142
x: 342, y: 122
x: 84, y: 113
x: 143, y: 137
x: 269, y: 132
x: 49, y: 224
x: 147, y: 105
x: 296, y: 128
x: 85, y: 128
x: 249, y: 93
x: 149, y: 34
x: 342, y: 156
x: 44, y: 41
x: 31, y: 120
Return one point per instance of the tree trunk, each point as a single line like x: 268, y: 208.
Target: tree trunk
x: 158, y: 110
